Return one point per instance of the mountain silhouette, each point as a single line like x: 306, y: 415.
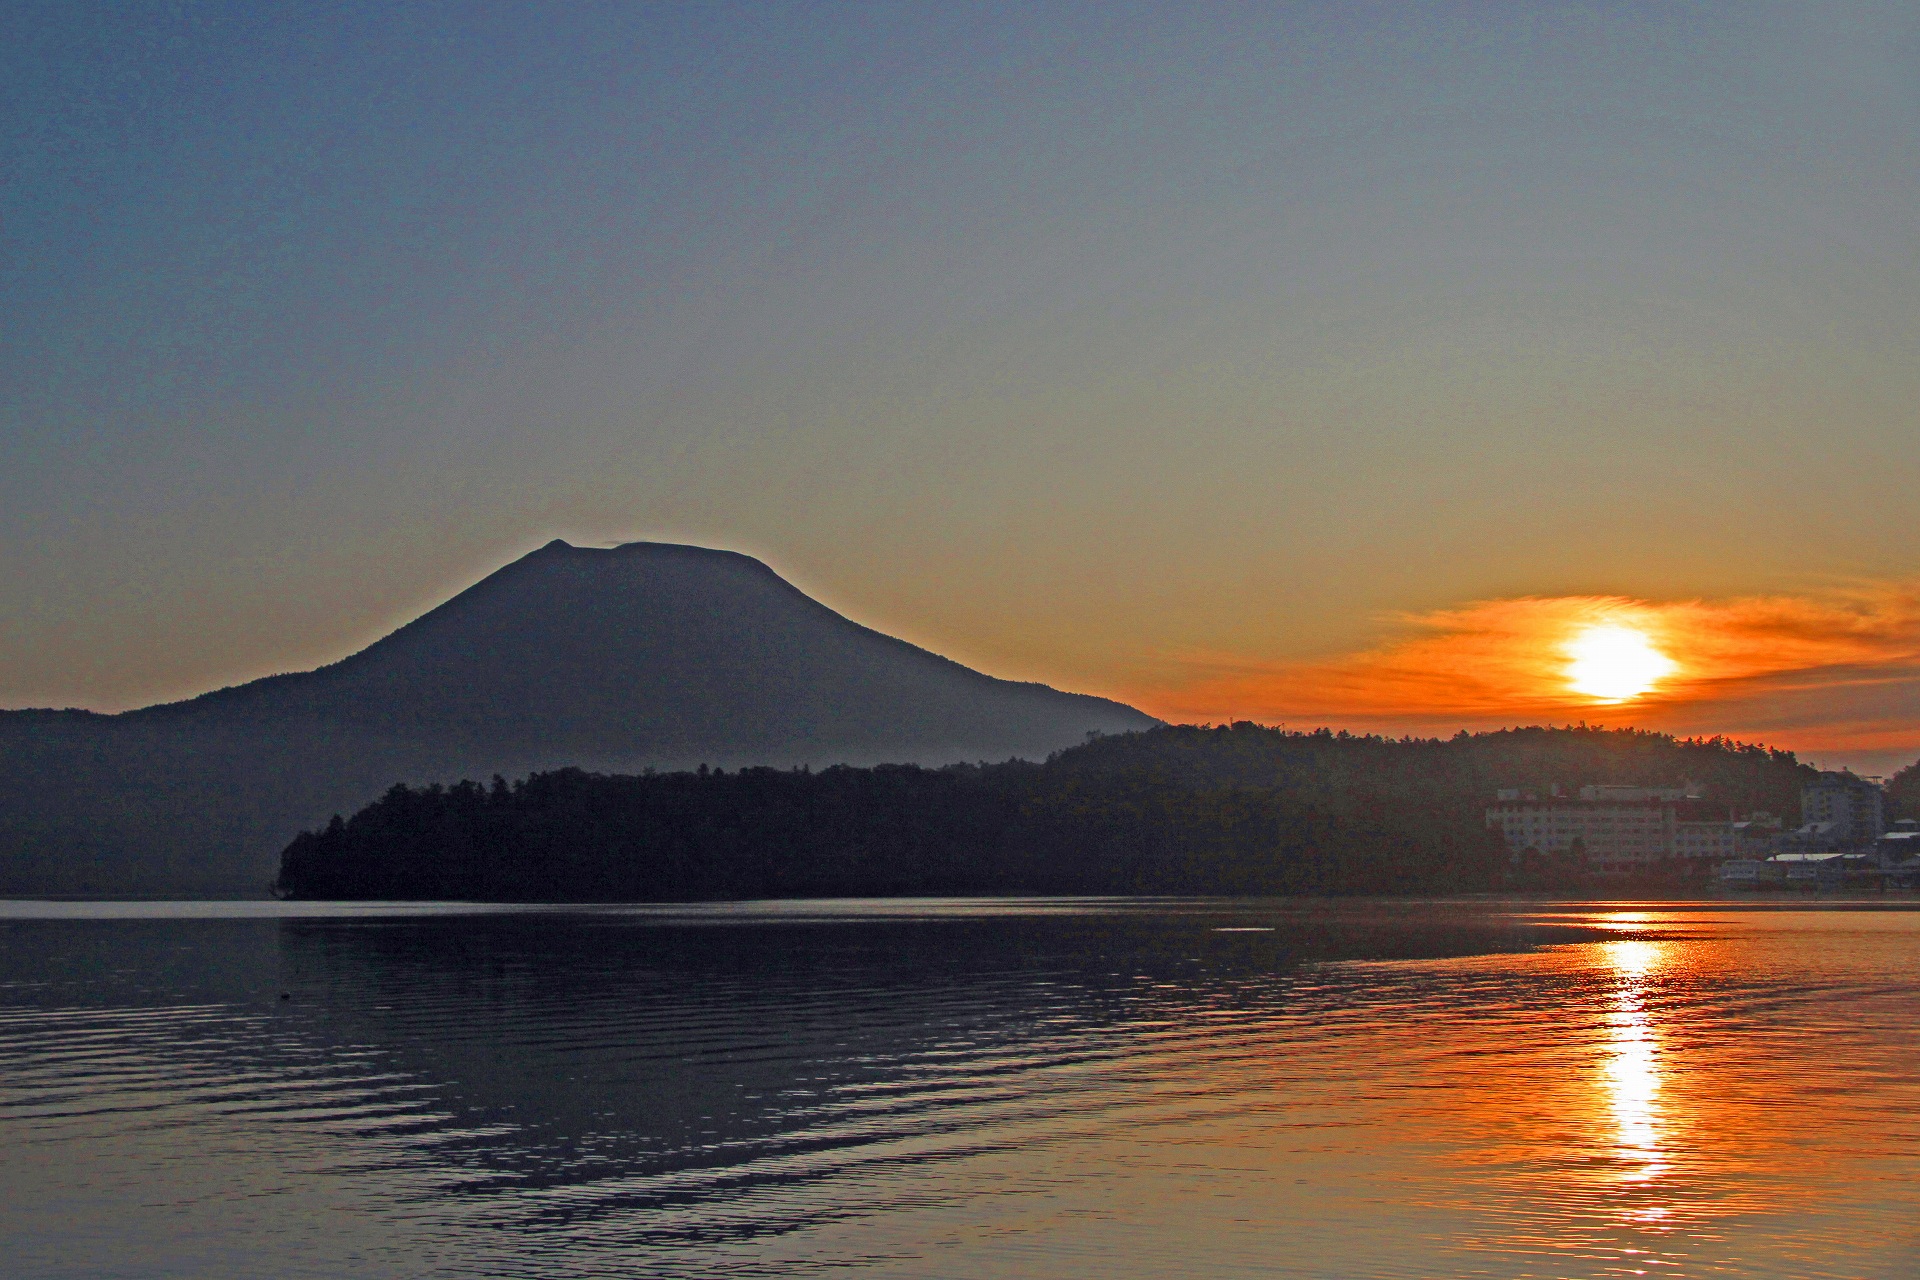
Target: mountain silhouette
x: 648, y: 655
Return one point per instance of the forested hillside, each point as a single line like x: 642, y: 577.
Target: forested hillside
x: 1181, y: 809
x: 1903, y: 793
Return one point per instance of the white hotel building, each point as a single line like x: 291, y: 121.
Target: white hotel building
x: 1620, y: 830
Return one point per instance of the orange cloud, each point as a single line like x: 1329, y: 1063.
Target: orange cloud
x: 1837, y: 673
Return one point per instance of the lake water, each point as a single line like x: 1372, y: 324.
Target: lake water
x: 960, y: 1089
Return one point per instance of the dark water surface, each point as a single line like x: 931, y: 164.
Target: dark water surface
x: 965, y: 1089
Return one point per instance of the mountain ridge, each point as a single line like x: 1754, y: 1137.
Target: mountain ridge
x: 645, y: 655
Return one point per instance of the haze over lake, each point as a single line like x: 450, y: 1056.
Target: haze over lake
x: 960, y: 1088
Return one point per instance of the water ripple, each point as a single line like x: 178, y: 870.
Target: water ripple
x: 1122, y: 1089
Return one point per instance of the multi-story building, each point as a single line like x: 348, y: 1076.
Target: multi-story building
x: 1703, y: 834
x: 1839, y: 809
x: 1618, y: 830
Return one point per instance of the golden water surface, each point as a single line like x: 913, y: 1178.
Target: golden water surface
x: 1014, y: 1088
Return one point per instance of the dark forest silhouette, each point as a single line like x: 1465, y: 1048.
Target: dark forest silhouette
x: 1174, y: 810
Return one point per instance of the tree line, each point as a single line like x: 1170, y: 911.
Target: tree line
x: 1238, y: 809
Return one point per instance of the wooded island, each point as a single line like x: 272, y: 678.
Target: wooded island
x: 1237, y: 809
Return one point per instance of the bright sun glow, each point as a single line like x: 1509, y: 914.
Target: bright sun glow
x: 1613, y: 662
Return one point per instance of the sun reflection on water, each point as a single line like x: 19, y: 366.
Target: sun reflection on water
x: 1632, y: 1070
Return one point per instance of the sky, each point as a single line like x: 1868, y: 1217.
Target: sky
x: 1309, y: 363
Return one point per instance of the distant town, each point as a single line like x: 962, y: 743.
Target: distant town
x: 1843, y: 840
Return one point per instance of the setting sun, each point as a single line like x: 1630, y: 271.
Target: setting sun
x: 1612, y: 662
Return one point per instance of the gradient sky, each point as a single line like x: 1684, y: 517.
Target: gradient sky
x: 1204, y: 356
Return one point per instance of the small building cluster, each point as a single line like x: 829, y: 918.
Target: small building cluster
x: 1629, y: 830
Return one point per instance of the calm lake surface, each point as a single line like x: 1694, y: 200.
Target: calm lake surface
x: 965, y: 1089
